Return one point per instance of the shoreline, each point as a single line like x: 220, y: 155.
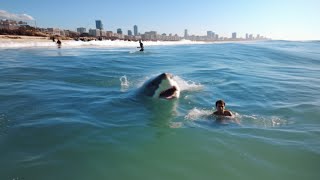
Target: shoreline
x: 18, y: 41
x: 19, y: 38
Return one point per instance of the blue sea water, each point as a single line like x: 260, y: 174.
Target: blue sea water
x: 73, y: 112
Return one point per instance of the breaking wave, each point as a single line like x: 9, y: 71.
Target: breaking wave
x: 23, y: 43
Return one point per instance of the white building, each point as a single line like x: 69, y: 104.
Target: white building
x: 8, y: 24
x: 54, y: 31
x: 94, y: 32
x: 81, y: 30
x: 152, y: 35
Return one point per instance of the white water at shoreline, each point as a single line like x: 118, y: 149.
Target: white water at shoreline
x: 106, y: 43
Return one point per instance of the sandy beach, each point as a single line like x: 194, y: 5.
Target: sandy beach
x: 16, y: 41
x: 16, y: 38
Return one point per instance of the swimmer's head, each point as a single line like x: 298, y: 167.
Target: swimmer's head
x: 220, y: 102
x: 220, y: 105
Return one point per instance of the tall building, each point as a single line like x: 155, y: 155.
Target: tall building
x: 94, y: 32
x: 99, y: 24
x: 152, y: 35
x: 129, y: 33
x: 81, y: 30
x: 234, y: 35
x: 186, y: 33
x: 119, y: 31
x: 258, y: 36
x: 135, y: 30
x: 210, y: 35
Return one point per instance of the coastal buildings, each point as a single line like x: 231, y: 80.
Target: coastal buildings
x: 11, y: 24
x: 210, y: 35
x: 100, y: 33
x: 234, y: 35
x: 152, y: 35
x: 119, y: 31
x: 186, y: 33
x: 54, y: 31
x: 135, y: 30
x: 81, y: 30
x: 94, y: 32
x: 99, y: 24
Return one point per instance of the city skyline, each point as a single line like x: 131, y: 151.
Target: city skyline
x: 99, y: 30
x: 153, y: 35
x: 288, y: 20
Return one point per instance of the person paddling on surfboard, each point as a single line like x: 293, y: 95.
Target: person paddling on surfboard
x: 141, y: 46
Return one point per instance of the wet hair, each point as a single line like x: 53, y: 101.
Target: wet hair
x: 220, y: 102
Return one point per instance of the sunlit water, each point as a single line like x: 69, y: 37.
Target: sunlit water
x: 74, y: 112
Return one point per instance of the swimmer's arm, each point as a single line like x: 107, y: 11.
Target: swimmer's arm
x: 229, y: 113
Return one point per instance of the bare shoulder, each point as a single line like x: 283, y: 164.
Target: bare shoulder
x: 225, y: 113
x: 228, y: 113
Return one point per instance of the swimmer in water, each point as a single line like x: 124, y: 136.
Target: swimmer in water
x: 223, y: 115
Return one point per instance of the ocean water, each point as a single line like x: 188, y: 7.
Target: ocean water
x: 73, y: 112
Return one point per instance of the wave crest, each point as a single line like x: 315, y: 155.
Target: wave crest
x: 29, y: 42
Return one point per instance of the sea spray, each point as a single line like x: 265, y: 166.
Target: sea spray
x: 188, y: 85
x: 124, y: 83
x: 93, y: 44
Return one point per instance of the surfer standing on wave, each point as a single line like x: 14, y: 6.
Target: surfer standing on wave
x: 141, y: 46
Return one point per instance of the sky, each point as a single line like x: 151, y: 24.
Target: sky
x: 276, y: 19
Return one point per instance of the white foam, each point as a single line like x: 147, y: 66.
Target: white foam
x: 82, y: 44
x: 261, y: 121
x: 124, y: 83
x: 12, y: 44
x: 196, y: 113
x: 187, y: 85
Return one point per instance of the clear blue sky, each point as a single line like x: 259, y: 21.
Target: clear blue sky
x: 277, y: 19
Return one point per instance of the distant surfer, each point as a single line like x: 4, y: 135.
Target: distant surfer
x: 59, y: 43
x: 141, y: 46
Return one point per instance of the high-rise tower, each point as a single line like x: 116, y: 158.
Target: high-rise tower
x: 234, y: 35
x: 119, y: 31
x: 99, y: 24
x: 186, y: 33
x: 135, y: 30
